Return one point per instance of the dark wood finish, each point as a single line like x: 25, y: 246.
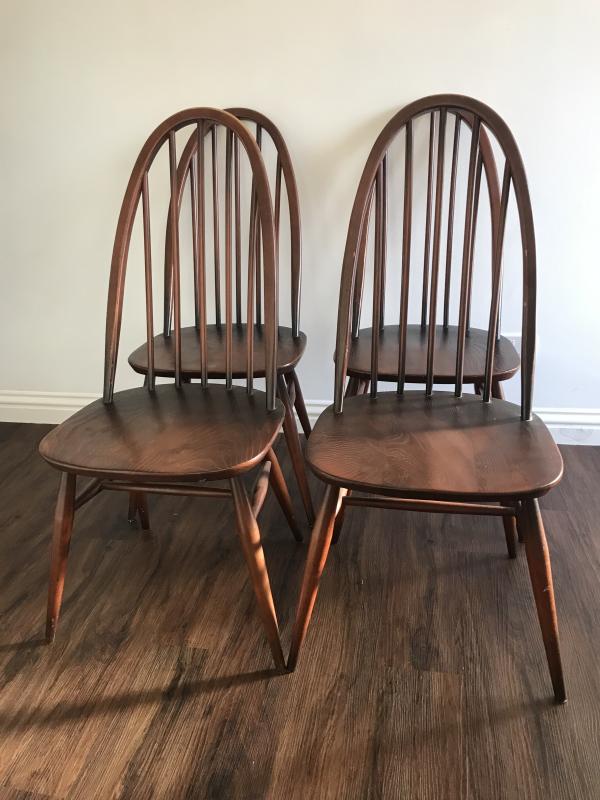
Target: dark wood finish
x: 506, y: 358
x: 164, y: 439
x: 393, y: 344
x: 228, y: 352
x: 290, y: 432
x: 427, y: 680
x: 399, y: 443
x: 438, y: 447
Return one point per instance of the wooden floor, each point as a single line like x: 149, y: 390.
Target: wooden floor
x: 423, y: 674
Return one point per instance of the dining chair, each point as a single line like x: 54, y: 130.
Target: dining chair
x: 506, y: 359
x: 426, y: 450
x: 179, y: 438
x: 291, y: 341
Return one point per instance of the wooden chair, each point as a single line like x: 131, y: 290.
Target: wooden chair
x: 291, y: 341
x: 444, y: 452
x: 506, y: 358
x: 178, y: 438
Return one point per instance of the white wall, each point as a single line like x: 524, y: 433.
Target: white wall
x: 83, y: 83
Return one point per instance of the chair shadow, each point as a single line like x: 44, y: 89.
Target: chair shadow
x: 63, y: 713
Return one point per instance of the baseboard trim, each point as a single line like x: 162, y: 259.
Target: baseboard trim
x: 568, y: 425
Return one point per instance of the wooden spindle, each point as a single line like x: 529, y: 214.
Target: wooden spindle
x: 464, y: 283
x: 175, y: 255
x: 377, y: 279
x: 383, y: 235
x: 360, y: 267
x: 238, y: 233
x: 406, y: 242
x: 258, y: 273
x: 435, y: 263
x: 148, y: 282
x: 194, y: 206
x: 201, y: 248
x: 216, y: 241
x: 496, y: 286
x: 450, y: 233
x: 253, y: 223
x: 477, y: 190
x: 277, y: 209
x: 427, y: 246
x: 228, y: 263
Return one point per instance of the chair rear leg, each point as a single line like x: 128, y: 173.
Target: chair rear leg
x: 301, y: 406
x: 138, y: 504
x: 249, y: 534
x: 355, y: 386
x: 61, y: 540
x: 497, y: 390
x: 510, y: 531
x: 520, y: 523
x: 320, y: 542
x: 290, y: 431
x: 538, y: 561
x: 280, y: 489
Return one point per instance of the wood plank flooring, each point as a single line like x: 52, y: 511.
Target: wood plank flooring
x: 423, y: 674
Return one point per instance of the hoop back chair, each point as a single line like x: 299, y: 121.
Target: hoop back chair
x: 506, y: 359
x: 177, y: 438
x: 291, y: 340
x: 438, y: 451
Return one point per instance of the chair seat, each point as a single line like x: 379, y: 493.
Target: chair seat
x: 289, y: 352
x: 440, y: 446
x: 506, y: 360
x: 188, y: 433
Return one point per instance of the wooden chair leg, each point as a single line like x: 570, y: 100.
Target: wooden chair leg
x: 352, y: 387
x: 339, y: 521
x: 61, y: 540
x: 497, y: 390
x: 519, y: 521
x: 301, y: 406
x: 538, y: 561
x: 138, y: 504
x: 510, y: 531
x: 249, y: 534
x: 318, y: 550
x: 478, y: 387
x: 290, y: 431
x: 280, y: 489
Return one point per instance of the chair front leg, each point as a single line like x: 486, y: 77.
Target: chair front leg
x: 320, y: 542
x: 290, y: 431
x: 538, y: 561
x: 249, y: 534
x: 61, y: 540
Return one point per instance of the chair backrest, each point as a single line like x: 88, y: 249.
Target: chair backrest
x: 372, y: 190
x: 283, y: 168
x: 200, y: 120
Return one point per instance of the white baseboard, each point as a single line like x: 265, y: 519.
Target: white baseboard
x: 568, y: 425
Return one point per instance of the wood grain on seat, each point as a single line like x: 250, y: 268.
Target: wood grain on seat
x: 506, y: 358
x: 442, y: 446
x: 191, y: 432
x: 289, y: 352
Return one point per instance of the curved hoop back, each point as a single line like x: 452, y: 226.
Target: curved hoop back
x: 480, y: 120
x: 283, y: 168
x: 202, y: 119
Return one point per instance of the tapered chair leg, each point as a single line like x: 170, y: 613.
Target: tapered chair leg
x: 290, y: 431
x: 249, y: 534
x: 497, y: 390
x: 339, y: 522
x: 138, y: 504
x: 538, y: 561
x: 301, y: 406
x: 61, y: 540
x: 318, y: 550
x: 510, y: 531
x: 520, y: 523
x: 280, y: 489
